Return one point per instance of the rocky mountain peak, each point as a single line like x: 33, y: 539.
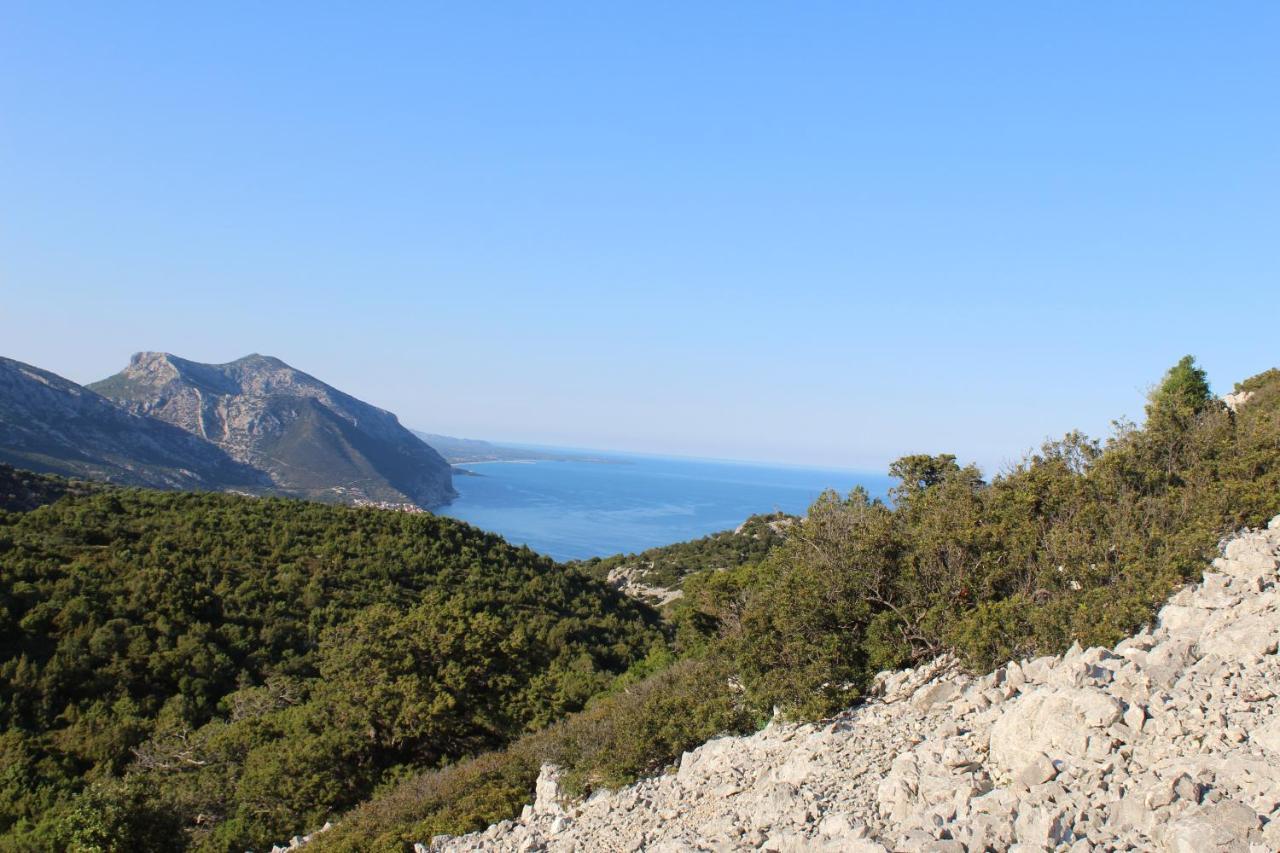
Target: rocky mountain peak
x: 310, y: 438
x: 258, y: 360
x: 156, y: 364
x: 51, y: 424
x: 145, y: 359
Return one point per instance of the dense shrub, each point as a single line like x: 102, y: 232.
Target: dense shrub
x: 637, y: 727
x: 1080, y: 542
x: 668, y: 565
x: 25, y: 490
x: 463, y: 797
x: 260, y: 664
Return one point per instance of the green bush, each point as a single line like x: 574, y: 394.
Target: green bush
x: 1078, y: 543
x: 668, y: 566
x: 638, y: 727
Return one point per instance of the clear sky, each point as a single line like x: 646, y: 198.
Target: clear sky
x: 827, y: 233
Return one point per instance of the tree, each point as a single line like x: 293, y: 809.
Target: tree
x: 919, y: 472
x: 1183, y: 393
x: 1172, y: 409
x: 801, y: 639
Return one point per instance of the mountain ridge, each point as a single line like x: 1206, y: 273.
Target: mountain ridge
x: 462, y: 451
x: 52, y: 425
x: 311, y: 439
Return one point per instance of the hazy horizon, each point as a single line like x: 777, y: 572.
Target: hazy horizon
x: 990, y: 467
x: 824, y: 236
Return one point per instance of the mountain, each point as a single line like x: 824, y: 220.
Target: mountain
x: 53, y: 425
x: 312, y: 440
x: 460, y: 451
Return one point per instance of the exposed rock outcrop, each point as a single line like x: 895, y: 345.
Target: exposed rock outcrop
x: 1236, y: 400
x: 1169, y: 741
x: 628, y: 579
x: 53, y: 425
x: 657, y: 576
x: 311, y: 439
x: 300, y: 841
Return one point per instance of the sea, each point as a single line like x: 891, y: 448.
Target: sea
x: 574, y: 508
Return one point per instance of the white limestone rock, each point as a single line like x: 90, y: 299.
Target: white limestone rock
x: 1171, y: 741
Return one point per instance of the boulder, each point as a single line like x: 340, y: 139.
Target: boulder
x: 933, y: 695
x: 1053, y: 722
x: 546, y: 792
x: 1222, y: 826
x: 1040, y: 770
x: 1042, y: 826
x: 1267, y: 735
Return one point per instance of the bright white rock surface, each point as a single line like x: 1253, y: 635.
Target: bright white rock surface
x: 1169, y: 741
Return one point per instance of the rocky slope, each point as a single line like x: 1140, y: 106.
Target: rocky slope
x: 312, y: 440
x: 51, y: 424
x: 1169, y: 741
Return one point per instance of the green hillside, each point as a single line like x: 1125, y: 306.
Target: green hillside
x: 1080, y: 542
x: 668, y: 565
x: 23, y: 490
x: 224, y: 671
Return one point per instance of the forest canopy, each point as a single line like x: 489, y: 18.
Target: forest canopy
x: 234, y: 668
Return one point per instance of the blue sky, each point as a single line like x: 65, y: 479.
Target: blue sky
x: 826, y: 233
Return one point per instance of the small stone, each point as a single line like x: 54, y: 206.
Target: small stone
x: 1134, y: 716
x: 1037, y: 772
x: 933, y: 695
x: 1186, y: 789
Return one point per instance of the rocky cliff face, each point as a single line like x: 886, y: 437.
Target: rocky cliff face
x: 312, y: 440
x: 1169, y: 741
x: 51, y: 424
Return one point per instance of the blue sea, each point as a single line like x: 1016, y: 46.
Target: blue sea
x: 622, y: 503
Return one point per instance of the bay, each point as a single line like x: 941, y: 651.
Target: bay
x: 574, y: 508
